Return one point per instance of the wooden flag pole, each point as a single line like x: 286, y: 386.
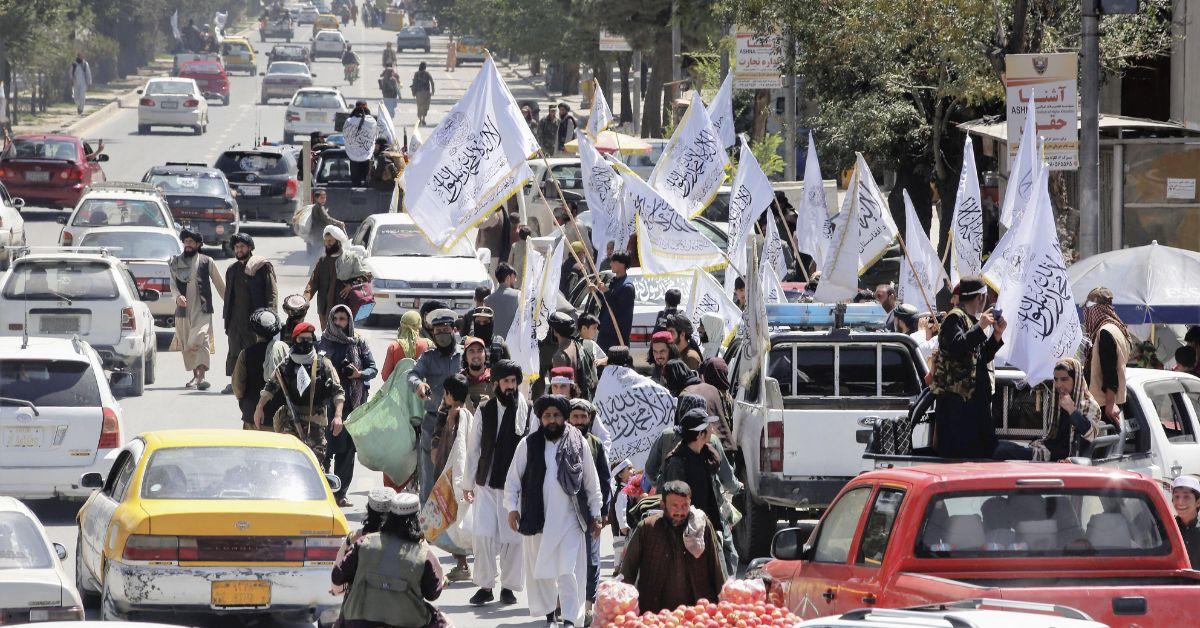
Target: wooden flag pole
x: 791, y: 237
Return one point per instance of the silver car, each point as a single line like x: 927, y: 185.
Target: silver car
x: 283, y: 78
x: 412, y: 37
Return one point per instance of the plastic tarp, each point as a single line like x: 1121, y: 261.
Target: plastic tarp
x: 1150, y: 284
x: 382, y: 428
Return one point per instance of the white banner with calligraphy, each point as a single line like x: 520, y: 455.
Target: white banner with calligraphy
x: 720, y: 111
x: 749, y: 197
x: 876, y: 228
x: 539, y: 297
x: 839, y: 271
x: 708, y: 297
x: 471, y: 164
x: 635, y: 410
x: 602, y: 190
x: 667, y: 241
x: 601, y: 115
x: 692, y: 167
x: 773, y: 257
x: 1007, y: 260
x: 921, y: 272
x: 814, y: 230
x: 966, y: 226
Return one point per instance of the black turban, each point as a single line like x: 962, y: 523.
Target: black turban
x: 186, y: 233
x: 505, y: 368
x: 557, y: 401
x: 244, y: 238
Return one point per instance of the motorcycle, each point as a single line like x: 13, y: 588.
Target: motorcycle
x: 350, y: 70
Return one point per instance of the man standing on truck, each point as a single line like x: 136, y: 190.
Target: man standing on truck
x: 1109, y: 351
x: 963, y: 375
x: 1185, y: 493
x: 885, y: 295
x: 360, y: 132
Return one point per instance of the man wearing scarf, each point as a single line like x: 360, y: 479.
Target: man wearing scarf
x: 1075, y: 422
x: 336, y: 272
x: 192, y: 272
x: 355, y: 366
x: 499, y: 424
x: 552, y: 495
x: 475, y: 370
x: 583, y: 415
x: 252, y: 285
x: 306, y: 383
x: 715, y: 373
x: 673, y: 556
x: 426, y: 378
x: 1109, y: 352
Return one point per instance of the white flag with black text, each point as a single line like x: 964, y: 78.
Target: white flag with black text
x: 601, y: 116
x: 1022, y: 172
x: 692, y: 167
x: 749, y: 197
x: 966, y: 226
x: 814, y: 230
x: 708, y: 297
x: 921, y: 272
x: 720, y: 111
x: 667, y: 242
x: 602, y: 189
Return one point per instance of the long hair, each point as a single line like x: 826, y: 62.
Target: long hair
x: 372, y: 522
x: 404, y: 526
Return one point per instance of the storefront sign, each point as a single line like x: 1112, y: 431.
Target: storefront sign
x: 1050, y: 79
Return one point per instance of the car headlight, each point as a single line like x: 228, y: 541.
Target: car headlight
x: 389, y: 284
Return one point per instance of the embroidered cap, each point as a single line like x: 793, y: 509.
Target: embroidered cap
x: 380, y: 499
x: 404, y: 504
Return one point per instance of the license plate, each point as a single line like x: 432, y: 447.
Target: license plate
x: 23, y: 437
x: 37, y: 176
x: 166, y: 104
x: 250, y: 190
x: 315, y: 117
x: 241, y: 593
x: 59, y: 324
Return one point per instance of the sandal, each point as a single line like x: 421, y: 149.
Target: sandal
x: 204, y: 385
x: 191, y: 383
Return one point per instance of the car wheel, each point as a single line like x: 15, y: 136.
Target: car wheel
x: 752, y: 536
x: 152, y: 360
x: 137, y: 385
x: 143, y: 129
x: 90, y: 596
x: 225, y: 100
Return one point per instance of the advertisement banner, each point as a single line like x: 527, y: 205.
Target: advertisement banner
x: 1050, y: 79
x: 613, y: 43
x: 759, y: 58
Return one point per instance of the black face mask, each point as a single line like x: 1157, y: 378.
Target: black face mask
x: 330, y: 250
x: 554, y: 431
x: 189, y: 253
x: 507, y: 397
x: 303, y: 346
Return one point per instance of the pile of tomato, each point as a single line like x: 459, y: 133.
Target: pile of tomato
x: 706, y: 614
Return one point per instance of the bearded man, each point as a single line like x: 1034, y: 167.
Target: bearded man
x: 193, y: 276
x: 252, y: 285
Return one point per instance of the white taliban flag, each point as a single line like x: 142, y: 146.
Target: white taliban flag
x: 1038, y: 304
x: 748, y: 199
x: 720, y: 111
x: 473, y: 162
x: 601, y: 116
x: 1007, y: 262
x: 755, y: 328
x: 921, y: 272
x: 539, y: 296
x: 387, y: 127
x: 635, y: 409
x: 839, y: 272
x: 415, y: 140
x: 876, y: 229
x: 547, y: 294
x: 1022, y: 173
x: 814, y: 231
x: 708, y: 297
x: 966, y: 227
x: 772, y: 287
x: 772, y: 256
x: 667, y: 242
x: 602, y: 189
x: 692, y: 167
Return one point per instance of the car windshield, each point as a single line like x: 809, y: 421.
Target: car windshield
x: 21, y: 546
x: 51, y: 280
x: 407, y: 240
x: 232, y: 473
x: 52, y: 383
x: 317, y: 100
x: 260, y: 163
x: 169, y: 88
x: 718, y: 209
x: 413, y: 31
x: 289, y: 51
x: 96, y: 212
x: 288, y: 67
x: 1051, y: 523
x: 173, y: 183
x: 201, y: 68
x: 43, y: 149
x: 135, y: 244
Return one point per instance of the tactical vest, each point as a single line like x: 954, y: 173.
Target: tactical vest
x: 387, y: 584
x: 955, y: 375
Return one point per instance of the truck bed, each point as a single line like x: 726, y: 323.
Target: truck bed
x: 352, y: 205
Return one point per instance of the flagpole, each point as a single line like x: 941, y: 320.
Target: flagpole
x: 791, y: 237
x: 919, y: 282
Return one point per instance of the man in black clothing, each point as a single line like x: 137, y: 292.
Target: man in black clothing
x: 619, y: 296
x: 671, y: 298
x: 249, y: 285
x: 1185, y: 491
x: 304, y: 384
x: 248, y: 375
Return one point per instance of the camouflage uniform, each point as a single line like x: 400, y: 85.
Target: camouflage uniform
x: 310, y: 423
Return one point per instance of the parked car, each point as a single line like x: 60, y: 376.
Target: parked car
x: 239, y: 55
x: 36, y: 587
x: 412, y: 37
x: 182, y: 58
x: 210, y: 76
x: 279, y: 28
x: 116, y: 204
x: 266, y: 178
x: 58, y: 416
x: 313, y: 109
x: 283, y: 78
x: 328, y: 43
x: 50, y: 170
x: 407, y: 270
x: 289, y: 52
x: 325, y: 21
x: 176, y: 102
x: 470, y: 50
x: 12, y: 226
x: 227, y: 522
x: 90, y: 295
x: 146, y: 252
x: 427, y: 21
x: 200, y: 199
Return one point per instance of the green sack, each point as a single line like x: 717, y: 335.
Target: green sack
x: 382, y: 428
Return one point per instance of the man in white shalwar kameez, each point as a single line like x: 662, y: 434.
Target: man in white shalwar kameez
x: 554, y: 519
x: 506, y: 419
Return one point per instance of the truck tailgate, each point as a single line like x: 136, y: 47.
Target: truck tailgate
x: 353, y: 205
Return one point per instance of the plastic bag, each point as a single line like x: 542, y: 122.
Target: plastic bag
x: 382, y: 427
x: 302, y: 220
x: 744, y: 591
x: 614, y: 599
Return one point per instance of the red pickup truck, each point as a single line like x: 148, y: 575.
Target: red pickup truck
x: 1098, y: 540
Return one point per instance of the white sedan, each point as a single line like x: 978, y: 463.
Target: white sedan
x: 174, y: 102
x: 12, y: 225
x: 34, y: 587
x: 328, y: 43
x: 313, y: 109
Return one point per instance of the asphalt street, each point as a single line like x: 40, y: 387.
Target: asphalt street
x: 167, y: 404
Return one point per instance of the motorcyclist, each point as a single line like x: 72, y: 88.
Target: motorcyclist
x: 350, y: 63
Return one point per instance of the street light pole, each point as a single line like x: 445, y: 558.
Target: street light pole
x: 1089, y: 133
x: 789, y: 109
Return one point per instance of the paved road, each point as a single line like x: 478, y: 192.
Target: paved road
x: 131, y: 155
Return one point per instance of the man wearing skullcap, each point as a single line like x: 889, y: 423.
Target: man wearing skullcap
x: 193, y: 277
x: 252, y: 285
x: 250, y: 371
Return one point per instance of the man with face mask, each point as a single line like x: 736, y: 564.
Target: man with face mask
x: 191, y: 273
x: 351, y: 356
x: 252, y: 285
x: 583, y: 415
x: 674, y: 557
x: 552, y: 495
x: 475, y: 369
x: 498, y: 425
x: 425, y: 379
x: 306, y: 383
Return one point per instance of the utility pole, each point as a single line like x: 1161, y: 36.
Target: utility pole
x: 676, y: 45
x: 638, y: 76
x: 789, y: 109
x: 1089, y: 133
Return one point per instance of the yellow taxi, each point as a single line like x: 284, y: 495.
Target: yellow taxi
x: 326, y: 21
x: 211, y: 521
x: 469, y: 49
x: 238, y: 54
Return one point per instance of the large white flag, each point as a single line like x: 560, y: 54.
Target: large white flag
x: 667, y: 242
x: 966, y: 226
x: 814, y: 231
x: 839, y: 272
x: 720, y: 111
x: 1023, y: 171
x: 539, y: 297
x: 473, y: 162
x: 602, y: 189
x: 692, y: 166
x: 708, y: 297
x: 635, y: 409
x: 748, y: 199
x: 601, y: 115
x: 1007, y: 261
x: 175, y: 26
x: 921, y: 272
x: 876, y: 228
x: 1043, y: 325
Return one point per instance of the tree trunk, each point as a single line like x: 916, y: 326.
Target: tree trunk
x: 762, y: 102
x: 652, y: 107
x: 602, y: 72
x: 625, y: 62
x: 535, y: 66
x: 570, y: 79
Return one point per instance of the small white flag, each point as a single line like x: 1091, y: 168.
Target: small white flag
x: 749, y: 197
x: 387, y: 128
x: 708, y: 297
x: 773, y: 251
x: 814, y: 231
x: 966, y: 226
x: 921, y: 272
x: 772, y: 287
x: 756, y: 331
x: 667, y: 242
x: 692, y: 167
x: 601, y: 116
x: 415, y: 140
x: 175, y: 26
x: 539, y: 296
x: 602, y: 189
x: 720, y: 111
x: 1023, y: 171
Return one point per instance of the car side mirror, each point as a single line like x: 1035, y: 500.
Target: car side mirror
x: 335, y: 483
x: 150, y: 295
x: 790, y: 543
x: 92, y: 480
x: 62, y: 220
x: 138, y: 92
x: 102, y: 157
x: 18, y: 202
x: 61, y: 550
